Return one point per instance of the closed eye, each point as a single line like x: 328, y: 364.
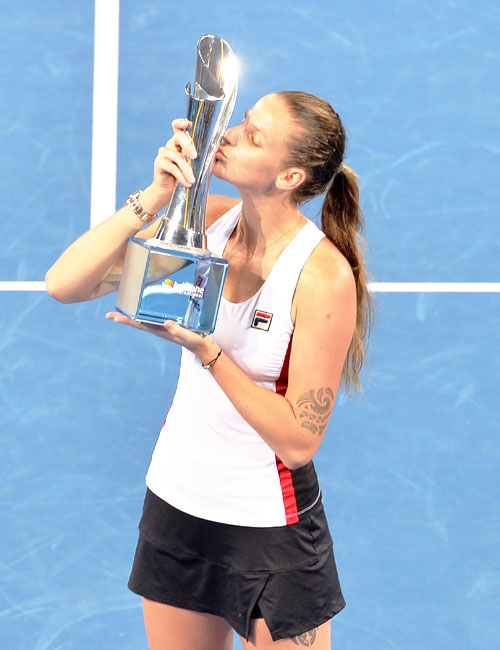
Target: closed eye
x: 253, y: 132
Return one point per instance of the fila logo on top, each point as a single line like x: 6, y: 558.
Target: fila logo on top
x: 262, y: 320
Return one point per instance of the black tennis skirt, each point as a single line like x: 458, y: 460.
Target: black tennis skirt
x: 285, y: 574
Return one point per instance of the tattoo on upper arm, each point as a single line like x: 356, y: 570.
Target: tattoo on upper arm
x: 315, y: 408
x: 307, y: 638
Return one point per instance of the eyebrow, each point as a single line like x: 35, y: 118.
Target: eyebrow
x: 246, y: 116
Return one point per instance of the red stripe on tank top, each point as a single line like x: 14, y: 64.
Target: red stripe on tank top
x: 282, y: 381
x: 288, y: 492
x: 166, y: 417
x: 284, y: 473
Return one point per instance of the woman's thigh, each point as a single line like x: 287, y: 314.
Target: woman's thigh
x: 260, y: 638
x: 174, y: 628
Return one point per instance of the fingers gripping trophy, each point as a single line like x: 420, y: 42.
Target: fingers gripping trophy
x: 173, y: 275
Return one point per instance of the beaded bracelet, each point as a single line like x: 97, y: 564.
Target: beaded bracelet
x: 208, y: 365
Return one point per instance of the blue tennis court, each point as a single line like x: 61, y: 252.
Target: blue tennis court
x: 409, y: 471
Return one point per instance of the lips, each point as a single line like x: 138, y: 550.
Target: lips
x: 220, y: 155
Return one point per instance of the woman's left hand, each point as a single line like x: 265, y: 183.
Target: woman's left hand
x: 171, y: 331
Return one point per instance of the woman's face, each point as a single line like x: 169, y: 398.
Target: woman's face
x: 253, y: 153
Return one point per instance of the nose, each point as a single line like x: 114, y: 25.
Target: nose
x: 230, y: 136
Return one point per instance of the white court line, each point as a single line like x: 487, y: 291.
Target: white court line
x: 104, y: 110
x: 435, y: 287
x: 22, y: 286
x: 376, y: 287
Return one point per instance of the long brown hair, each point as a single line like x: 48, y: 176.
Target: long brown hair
x: 318, y: 147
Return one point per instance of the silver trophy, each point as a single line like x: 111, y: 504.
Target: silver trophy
x: 173, y: 275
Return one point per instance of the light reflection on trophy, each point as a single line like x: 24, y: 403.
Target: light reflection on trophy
x: 173, y: 275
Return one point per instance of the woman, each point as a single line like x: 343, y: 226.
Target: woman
x: 233, y: 533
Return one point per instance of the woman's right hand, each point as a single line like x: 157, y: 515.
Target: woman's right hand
x: 173, y: 162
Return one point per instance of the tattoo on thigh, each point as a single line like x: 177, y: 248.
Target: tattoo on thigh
x: 315, y: 408
x: 306, y: 639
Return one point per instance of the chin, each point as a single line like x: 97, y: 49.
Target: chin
x: 219, y: 170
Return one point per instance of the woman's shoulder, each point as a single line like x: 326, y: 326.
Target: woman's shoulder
x: 218, y: 205
x: 327, y: 271
x: 326, y: 285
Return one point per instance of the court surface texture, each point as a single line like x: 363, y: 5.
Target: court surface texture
x: 409, y: 471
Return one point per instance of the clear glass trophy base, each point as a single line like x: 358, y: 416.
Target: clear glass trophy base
x: 160, y: 282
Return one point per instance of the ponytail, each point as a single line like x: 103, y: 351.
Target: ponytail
x: 342, y: 222
x: 318, y: 147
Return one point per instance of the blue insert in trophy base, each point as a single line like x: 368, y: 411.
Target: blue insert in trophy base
x: 173, y: 275
x: 189, y: 293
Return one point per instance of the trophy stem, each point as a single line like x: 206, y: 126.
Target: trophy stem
x: 210, y: 104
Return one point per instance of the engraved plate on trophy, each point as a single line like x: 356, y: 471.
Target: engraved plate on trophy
x: 173, y: 275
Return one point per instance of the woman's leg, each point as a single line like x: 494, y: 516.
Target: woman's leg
x: 174, y: 628
x: 260, y: 638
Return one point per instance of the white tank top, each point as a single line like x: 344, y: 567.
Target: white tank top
x: 208, y: 461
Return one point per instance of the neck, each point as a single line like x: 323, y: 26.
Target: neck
x: 265, y: 218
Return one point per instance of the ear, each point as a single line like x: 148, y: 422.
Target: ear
x: 290, y: 178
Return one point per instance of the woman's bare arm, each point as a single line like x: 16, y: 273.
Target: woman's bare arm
x: 293, y: 425
x: 91, y: 266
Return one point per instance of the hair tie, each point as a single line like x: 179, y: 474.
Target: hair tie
x: 339, y: 169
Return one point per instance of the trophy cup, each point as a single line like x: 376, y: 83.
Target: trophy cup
x: 173, y: 275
